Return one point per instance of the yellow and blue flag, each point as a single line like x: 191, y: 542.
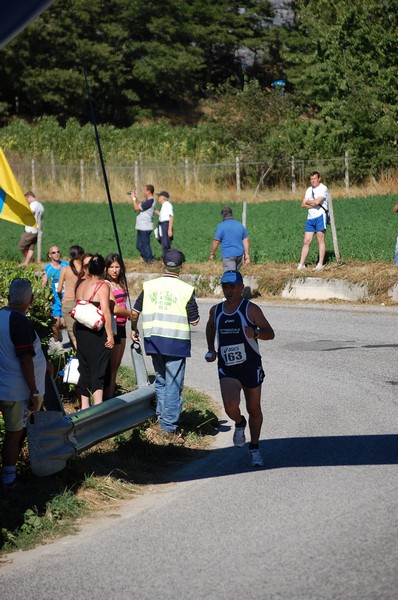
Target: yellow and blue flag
x: 14, y: 206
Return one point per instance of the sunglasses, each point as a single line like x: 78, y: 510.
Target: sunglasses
x: 55, y: 252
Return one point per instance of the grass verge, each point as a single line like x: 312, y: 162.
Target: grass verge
x: 100, y: 478
x: 272, y: 277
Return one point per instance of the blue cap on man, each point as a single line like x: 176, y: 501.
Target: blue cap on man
x: 231, y: 277
x: 173, y: 258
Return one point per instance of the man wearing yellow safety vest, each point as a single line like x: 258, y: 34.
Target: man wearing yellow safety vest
x: 168, y: 307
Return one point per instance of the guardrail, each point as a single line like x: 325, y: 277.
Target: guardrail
x: 54, y: 437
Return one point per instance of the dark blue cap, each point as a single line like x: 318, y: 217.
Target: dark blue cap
x: 173, y: 258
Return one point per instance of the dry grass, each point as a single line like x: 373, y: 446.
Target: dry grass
x: 272, y: 277
x: 101, y: 478
x: 65, y: 190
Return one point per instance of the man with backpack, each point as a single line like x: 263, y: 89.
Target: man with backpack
x: 316, y: 202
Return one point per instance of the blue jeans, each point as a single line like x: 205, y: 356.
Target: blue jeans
x: 169, y: 381
x: 165, y: 240
x: 143, y: 244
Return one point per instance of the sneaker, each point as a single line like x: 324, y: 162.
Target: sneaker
x: 255, y: 457
x: 300, y: 267
x: 319, y: 267
x: 239, y: 438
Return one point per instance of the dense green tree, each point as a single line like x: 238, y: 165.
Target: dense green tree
x: 252, y: 122
x: 139, y: 55
x: 41, y: 69
x: 149, y: 58
x: 341, y: 59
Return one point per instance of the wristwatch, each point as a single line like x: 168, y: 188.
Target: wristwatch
x: 256, y: 332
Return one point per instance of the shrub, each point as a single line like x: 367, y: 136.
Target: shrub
x: 40, y: 311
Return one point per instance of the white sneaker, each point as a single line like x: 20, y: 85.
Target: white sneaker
x: 319, y: 267
x: 300, y: 267
x: 239, y: 438
x: 255, y: 457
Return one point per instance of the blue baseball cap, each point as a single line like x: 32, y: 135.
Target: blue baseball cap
x: 231, y: 277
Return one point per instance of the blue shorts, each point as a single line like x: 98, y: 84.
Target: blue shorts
x: 315, y: 225
x: 57, y: 308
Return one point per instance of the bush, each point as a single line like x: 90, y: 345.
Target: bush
x: 40, y: 311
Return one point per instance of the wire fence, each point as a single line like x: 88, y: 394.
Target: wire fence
x: 188, y: 175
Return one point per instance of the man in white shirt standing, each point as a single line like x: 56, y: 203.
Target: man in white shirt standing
x: 166, y: 221
x: 28, y: 239
x: 316, y: 202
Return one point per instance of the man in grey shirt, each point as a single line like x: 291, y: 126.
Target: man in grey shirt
x: 144, y: 222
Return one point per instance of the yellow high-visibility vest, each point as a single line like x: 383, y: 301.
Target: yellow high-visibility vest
x: 164, y: 315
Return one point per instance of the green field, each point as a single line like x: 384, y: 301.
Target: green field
x: 366, y: 229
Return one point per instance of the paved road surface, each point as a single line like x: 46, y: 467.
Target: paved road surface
x: 320, y: 521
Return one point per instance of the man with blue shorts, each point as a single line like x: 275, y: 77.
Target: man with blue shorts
x: 316, y: 202
x: 238, y: 324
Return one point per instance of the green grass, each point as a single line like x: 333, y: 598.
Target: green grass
x: 366, y: 229
x: 116, y: 469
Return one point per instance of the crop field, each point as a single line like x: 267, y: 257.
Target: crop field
x: 366, y: 229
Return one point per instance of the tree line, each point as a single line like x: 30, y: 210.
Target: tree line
x: 215, y: 63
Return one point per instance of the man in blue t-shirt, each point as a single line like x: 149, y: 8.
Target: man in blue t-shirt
x: 234, y: 241
x: 50, y: 277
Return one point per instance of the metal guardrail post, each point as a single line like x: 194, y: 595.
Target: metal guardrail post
x: 141, y: 374
x: 55, y: 437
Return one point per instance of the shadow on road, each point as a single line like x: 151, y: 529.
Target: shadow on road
x: 285, y: 453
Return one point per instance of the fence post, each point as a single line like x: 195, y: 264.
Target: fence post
x: 82, y: 179
x: 39, y: 236
x: 333, y: 227
x: 52, y: 166
x: 237, y: 168
x: 346, y: 171
x: 96, y: 166
x: 33, y: 175
x: 141, y: 183
x: 293, y: 175
x: 186, y: 162
x: 239, y: 189
x: 136, y: 177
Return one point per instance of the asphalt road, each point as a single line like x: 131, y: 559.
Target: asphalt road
x: 319, y: 521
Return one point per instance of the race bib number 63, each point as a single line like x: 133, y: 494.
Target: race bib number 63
x: 233, y: 355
